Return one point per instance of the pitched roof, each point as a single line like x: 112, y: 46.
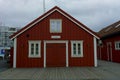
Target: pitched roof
x: 109, y: 30
x: 47, y: 14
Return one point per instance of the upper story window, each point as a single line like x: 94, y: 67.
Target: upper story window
x: 117, y: 45
x: 77, y: 48
x: 34, y: 49
x: 55, y: 25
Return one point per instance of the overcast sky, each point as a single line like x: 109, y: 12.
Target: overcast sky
x: 95, y: 14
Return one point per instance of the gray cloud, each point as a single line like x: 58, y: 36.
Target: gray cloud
x: 96, y: 14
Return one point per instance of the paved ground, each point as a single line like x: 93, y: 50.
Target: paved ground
x: 105, y: 71
x: 4, y: 65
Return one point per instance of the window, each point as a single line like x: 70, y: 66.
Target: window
x: 77, y: 48
x: 117, y: 45
x: 34, y: 49
x: 55, y: 25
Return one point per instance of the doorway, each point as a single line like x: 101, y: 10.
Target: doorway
x: 109, y: 51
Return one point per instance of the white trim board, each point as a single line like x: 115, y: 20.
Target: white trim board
x: 48, y: 15
x: 15, y: 53
x: 55, y: 37
x: 95, y: 51
x: 53, y: 41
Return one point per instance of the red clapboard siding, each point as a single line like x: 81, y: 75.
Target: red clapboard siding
x: 41, y: 31
x: 104, y: 51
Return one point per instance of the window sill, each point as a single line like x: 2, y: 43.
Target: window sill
x: 55, y: 32
x: 76, y: 56
x: 34, y: 56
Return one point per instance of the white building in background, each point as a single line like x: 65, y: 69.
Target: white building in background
x: 5, y: 33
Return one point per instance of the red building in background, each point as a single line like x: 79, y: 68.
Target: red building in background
x: 55, y: 39
x: 110, y: 47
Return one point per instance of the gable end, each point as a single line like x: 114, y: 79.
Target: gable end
x: 47, y: 14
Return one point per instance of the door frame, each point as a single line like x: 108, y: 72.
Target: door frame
x: 55, y: 41
x: 109, y: 51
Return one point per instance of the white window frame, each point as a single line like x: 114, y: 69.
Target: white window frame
x: 39, y: 49
x: 55, y: 31
x: 117, y: 47
x: 81, y: 48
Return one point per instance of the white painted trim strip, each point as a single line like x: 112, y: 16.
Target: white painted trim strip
x: 95, y: 51
x: 55, y: 41
x: 55, y: 37
x: 44, y: 54
x: 15, y: 53
x: 48, y: 15
x: 67, y: 60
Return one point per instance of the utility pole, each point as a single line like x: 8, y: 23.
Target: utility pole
x: 44, y: 6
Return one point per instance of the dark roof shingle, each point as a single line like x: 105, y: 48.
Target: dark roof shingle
x: 111, y: 29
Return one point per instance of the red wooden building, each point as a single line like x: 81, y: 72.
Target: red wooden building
x: 55, y: 39
x: 110, y: 47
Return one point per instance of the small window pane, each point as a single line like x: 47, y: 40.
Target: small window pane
x: 58, y: 26
x: 119, y: 45
x: 53, y: 26
x: 116, y: 45
x: 79, y: 49
x: 32, y: 49
x: 37, y: 49
x: 74, y: 48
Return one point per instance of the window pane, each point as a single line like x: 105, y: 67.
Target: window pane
x: 55, y: 25
x: 116, y: 45
x: 37, y: 49
x: 32, y: 49
x: 58, y: 26
x: 79, y: 48
x: 119, y: 45
x: 74, y: 48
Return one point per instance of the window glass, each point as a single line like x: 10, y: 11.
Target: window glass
x: 37, y: 49
x: 74, y: 48
x: 55, y: 26
x: 34, y: 48
x: 119, y: 45
x: 77, y: 50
